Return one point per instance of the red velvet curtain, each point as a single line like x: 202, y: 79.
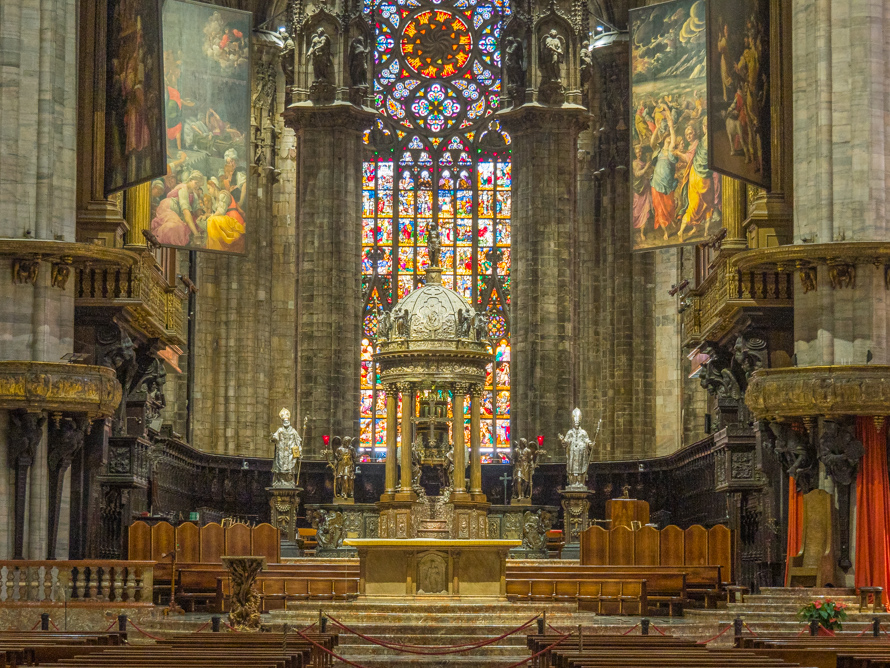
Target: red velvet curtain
x: 872, y: 508
x: 795, y: 524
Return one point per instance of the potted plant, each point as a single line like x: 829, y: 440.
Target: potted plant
x: 829, y: 614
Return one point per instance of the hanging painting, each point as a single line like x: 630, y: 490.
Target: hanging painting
x: 201, y: 203
x: 134, y: 95
x: 676, y: 196
x: 739, y: 89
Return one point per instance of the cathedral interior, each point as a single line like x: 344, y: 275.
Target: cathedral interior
x: 485, y: 306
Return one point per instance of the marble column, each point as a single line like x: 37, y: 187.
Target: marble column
x: 457, y: 436
x: 544, y: 339
x: 38, y: 136
x: 406, y: 492
x: 475, y: 445
x: 329, y: 304
x: 392, y: 397
x: 841, y: 165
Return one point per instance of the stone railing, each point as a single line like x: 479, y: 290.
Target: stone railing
x: 710, y: 310
x: 76, y: 583
x: 138, y: 289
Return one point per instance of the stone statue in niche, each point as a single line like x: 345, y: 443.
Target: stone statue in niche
x: 384, y: 325
x: 434, y: 244
x: 464, y: 320
x: 793, y: 451
x: 514, y: 63
x: 578, y: 447
x: 320, y: 56
x: 358, y: 62
x: 288, y: 453
x: 586, y: 70
x: 553, y: 53
x: 331, y: 531
x: 342, y: 458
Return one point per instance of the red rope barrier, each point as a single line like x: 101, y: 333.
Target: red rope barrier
x: 232, y: 628
x: 535, y: 656
x: 438, y: 650
x: 630, y: 629
x: 202, y: 627
x: 822, y: 631
x: 705, y: 642
x: 53, y: 623
x: 750, y: 630
x: 34, y: 628
x: 147, y: 635
x: 658, y: 629
x: 109, y: 626
x: 556, y: 630
x: 803, y: 630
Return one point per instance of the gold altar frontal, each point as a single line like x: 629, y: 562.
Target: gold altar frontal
x: 429, y: 567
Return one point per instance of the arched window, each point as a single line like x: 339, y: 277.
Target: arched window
x: 437, y: 155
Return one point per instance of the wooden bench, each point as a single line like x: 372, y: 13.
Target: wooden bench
x: 606, y: 597
x: 839, y: 651
x: 662, y: 587
x: 702, y: 582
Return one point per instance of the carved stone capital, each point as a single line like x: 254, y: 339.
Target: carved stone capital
x: 840, y: 451
x: 25, y: 432
x: 339, y: 116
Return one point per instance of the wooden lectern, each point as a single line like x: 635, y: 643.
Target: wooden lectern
x: 627, y: 513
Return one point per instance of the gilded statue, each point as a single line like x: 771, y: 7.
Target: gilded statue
x: 288, y: 453
x: 578, y: 447
x: 342, y: 457
x: 525, y: 461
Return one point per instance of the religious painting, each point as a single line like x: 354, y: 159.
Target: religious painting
x: 676, y: 195
x: 201, y: 202
x: 739, y: 89
x: 134, y: 95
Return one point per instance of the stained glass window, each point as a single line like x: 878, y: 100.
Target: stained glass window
x: 437, y: 155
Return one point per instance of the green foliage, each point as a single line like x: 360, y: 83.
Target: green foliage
x: 829, y: 614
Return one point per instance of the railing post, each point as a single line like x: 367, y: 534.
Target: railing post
x: 122, y: 623
x: 876, y: 627
x: 214, y: 624
x: 540, y: 626
x: 44, y: 621
x: 737, y: 628
x: 644, y: 626
x: 814, y: 628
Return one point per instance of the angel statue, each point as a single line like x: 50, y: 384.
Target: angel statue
x: 342, y: 457
x: 320, y: 55
x: 288, y: 452
x: 552, y: 55
x: 525, y: 460
x: 358, y: 62
x: 578, y: 447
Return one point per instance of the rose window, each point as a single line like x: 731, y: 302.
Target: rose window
x: 436, y: 43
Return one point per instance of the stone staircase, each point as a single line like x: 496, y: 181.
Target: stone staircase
x: 774, y: 609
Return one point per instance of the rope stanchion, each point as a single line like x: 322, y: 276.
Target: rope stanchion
x: 631, y: 629
x: 658, y: 629
x: 437, y: 650
x: 329, y: 652
x: 146, y: 634
x: 702, y: 642
x: 543, y: 651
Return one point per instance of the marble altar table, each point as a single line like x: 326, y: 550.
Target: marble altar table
x: 422, y: 567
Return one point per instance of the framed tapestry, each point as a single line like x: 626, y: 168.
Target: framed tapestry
x: 201, y: 202
x: 739, y: 89
x: 134, y: 95
x: 676, y: 195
